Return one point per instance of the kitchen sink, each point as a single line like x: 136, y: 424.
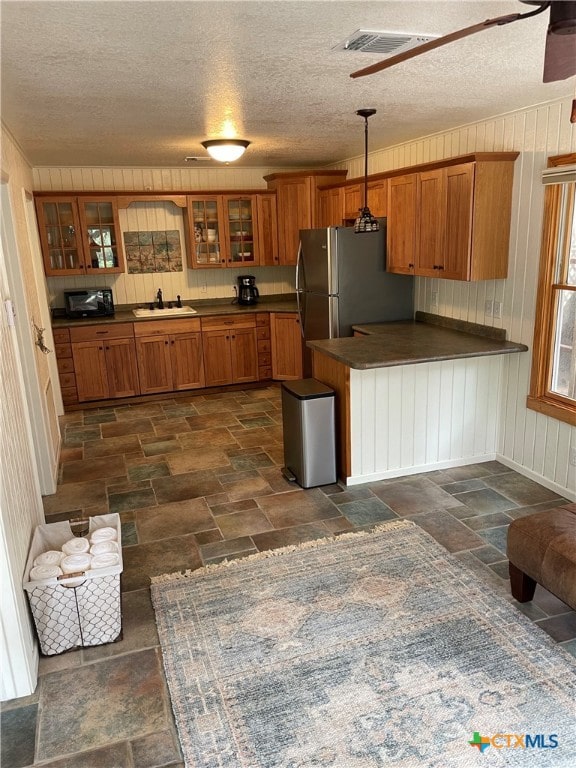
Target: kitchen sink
x: 166, y: 312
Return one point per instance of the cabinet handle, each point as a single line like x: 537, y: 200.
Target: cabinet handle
x: 108, y: 348
x: 102, y: 333
x: 411, y: 266
x: 228, y: 322
x: 166, y: 342
x: 440, y: 266
x: 172, y: 342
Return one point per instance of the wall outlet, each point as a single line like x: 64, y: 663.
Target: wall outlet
x: 572, y: 458
x: 497, y: 309
x: 203, y: 288
x: 434, y: 300
x: 488, y: 307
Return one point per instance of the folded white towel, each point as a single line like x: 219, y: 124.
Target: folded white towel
x: 103, y: 534
x: 105, y: 560
x: 76, y: 563
x: 41, y: 572
x: 76, y: 546
x: 52, y: 557
x: 102, y: 547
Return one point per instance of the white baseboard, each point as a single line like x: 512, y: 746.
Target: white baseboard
x: 404, y: 471
x: 552, y: 486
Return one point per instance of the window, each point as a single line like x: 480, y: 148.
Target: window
x: 553, y: 381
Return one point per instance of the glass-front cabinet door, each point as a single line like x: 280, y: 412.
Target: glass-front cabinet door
x: 59, y: 228
x: 205, y: 246
x: 79, y: 235
x: 241, y: 230
x: 100, y: 233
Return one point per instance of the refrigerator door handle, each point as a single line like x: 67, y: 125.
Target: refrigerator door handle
x: 299, y: 304
x: 298, y: 260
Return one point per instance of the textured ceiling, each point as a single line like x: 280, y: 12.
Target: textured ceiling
x: 143, y: 83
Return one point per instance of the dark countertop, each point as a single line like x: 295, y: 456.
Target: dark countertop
x: 124, y: 314
x: 408, y: 343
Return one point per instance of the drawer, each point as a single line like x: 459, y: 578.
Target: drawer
x: 264, y: 373
x: 67, y: 380
x: 63, y: 350
x: 263, y: 318
x: 167, y: 327
x: 69, y: 395
x: 264, y: 345
x: 61, y: 335
x: 108, y: 331
x: 222, y: 322
x: 263, y: 333
x: 264, y: 360
x: 65, y: 364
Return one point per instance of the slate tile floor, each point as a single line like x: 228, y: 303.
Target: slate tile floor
x: 197, y: 480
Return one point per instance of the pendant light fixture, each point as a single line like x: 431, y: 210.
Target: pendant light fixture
x: 225, y: 150
x: 365, y: 221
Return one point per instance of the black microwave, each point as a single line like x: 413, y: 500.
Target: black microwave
x: 92, y: 302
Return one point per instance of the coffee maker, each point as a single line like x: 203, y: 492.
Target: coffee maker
x: 247, y: 291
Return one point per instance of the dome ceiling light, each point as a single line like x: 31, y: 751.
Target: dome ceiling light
x: 225, y: 150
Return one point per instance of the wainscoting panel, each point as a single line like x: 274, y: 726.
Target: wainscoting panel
x: 417, y: 418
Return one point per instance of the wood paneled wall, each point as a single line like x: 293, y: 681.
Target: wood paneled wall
x: 20, y: 502
x: 415, y: 418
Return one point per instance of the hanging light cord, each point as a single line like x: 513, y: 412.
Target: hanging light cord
x: 365, y: 161
x: 365, y: 221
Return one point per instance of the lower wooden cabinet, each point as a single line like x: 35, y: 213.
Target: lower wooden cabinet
x: 65, y: 363
x: 286, y: 338
x: 169, y: 355
x: 264, y: 345
x: 104, y: 361
x: 114, y: 360
x: 230, y: 349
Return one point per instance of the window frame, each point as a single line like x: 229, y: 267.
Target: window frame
x: 540, y: 397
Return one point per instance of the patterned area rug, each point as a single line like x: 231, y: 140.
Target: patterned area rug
x: 367, y: 650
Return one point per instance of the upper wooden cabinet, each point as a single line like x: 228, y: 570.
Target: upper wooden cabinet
x: 204, y: 230
x: 231, y: 230
x: 452, y: 221
x: 297, y: 199
x: 401, y: 225
x: 267, y: 218
x: 377, y: 199
x: 341, y: 204
x: 330, y: 207
x: 79, y: 235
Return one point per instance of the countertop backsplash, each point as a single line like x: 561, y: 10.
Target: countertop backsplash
x: 190, y: 284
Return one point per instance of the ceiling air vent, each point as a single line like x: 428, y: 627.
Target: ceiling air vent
x: 383, y: 43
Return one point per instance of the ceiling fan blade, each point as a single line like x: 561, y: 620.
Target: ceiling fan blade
x: 432, y: 44
x: 560, y: 55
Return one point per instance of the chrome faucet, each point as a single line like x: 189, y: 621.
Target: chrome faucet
x: 159, y: 297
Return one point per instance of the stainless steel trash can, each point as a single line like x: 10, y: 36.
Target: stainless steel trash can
x: 309, y: 432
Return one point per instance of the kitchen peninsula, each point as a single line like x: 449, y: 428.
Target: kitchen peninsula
x: 414, y: 396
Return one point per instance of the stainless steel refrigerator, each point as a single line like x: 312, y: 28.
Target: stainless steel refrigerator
x: 341, y: 280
